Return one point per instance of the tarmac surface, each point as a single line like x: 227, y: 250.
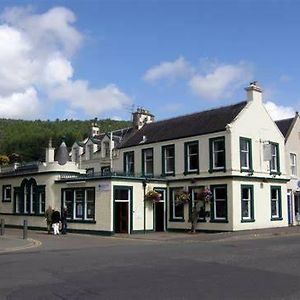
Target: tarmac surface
x: 12, y: 240
x: 260, y: 264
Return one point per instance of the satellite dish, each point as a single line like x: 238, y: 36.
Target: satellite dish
x: 62, y: 155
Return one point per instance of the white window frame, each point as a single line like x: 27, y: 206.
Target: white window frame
x: 247, y: 153
x: 276, y: 200
x: 128, y: 162
x: 85, y: 204
x: 217, y: 151
x: 147, y: 160
x: 174, y: 217
x: 189, y: 155
x: 167, y: 158
x: 274, y: 158
x: 293, y: 164
x: 5, y: 188
x: 248, y: 201
x: 218, y: 200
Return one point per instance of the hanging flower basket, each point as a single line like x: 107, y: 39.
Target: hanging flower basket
x: 206, y: 195
x: 182, y: 197
x: 152, y: 196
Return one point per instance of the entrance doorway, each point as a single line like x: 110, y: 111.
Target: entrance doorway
x: 159, y: 216
x: 297, y: 207
x: 122, y: 209
x: 159, y: 211
x: 121, y: 217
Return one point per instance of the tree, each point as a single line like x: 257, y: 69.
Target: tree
x: 4, y: 160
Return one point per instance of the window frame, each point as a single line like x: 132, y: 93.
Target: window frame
x: 191, y: 203
x: 211, y: 154
x: 144, y: 162
x: 215, y: 219
x: 187, y: 157
x: 84, y: 218
x: 125, y: 162
x: 251, y: 203
x: 277, y: 217
x: 248, y: 168
x: 4, y: 188
x: 277, y: 159
x: 294, y: 155
x: 172, y: 212
x: 164, y: 149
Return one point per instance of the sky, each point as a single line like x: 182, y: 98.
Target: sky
x: 82, y: 59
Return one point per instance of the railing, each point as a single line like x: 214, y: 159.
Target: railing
x: 106, y: 174
x: 18, y: 168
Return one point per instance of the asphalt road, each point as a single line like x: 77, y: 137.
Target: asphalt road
x: 86, y: 267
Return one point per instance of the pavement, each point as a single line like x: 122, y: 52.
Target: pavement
x: 12, y: 240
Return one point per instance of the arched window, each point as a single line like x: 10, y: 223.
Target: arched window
x: 30, y: 198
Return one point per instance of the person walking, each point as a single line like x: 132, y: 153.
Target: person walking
x: 64, y: 225
x: 48, y: 216
x: 55, y: 221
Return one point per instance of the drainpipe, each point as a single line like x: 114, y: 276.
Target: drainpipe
x: 144, y: 186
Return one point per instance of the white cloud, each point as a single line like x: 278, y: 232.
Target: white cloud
x: 279, y: 112
x: 168, y: 70
x: 20, y: 105
x: 221, y: 82
x: 36, y: 53
x: 93, y: 101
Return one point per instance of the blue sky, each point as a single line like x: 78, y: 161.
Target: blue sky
x: 85, y: 59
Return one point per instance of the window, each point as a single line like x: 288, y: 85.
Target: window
x: 247, y: 203
x: 29, y: 198
x: 6, y: 193
x: 274, y: 163
x: 129, y: 163
x: 293, y: 163
x: 191, y: 150
x: 168, y: 160
x: 76, y: 155
x: 90, y: 150
x: 90, y: 171
x: 106, y: 149
x: 217, y: 154
x: 147, y: 162
x: 42, y: 200
x: 80, y: 204
x: 89, y: 208
x: 276, y: 203
x: 176, y: 210
x: 245, y: 154
x: 219, y: 203
x: 196, y: 193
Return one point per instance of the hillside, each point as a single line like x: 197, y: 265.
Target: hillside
x: 29, y: 139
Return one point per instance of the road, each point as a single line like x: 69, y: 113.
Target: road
x: 88, y: 267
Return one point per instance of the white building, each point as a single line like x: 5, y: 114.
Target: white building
x: 237, y: 151
x: 290, y: 128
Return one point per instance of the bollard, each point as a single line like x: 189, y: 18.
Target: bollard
x: 25, y: 227
x: 2, y: 228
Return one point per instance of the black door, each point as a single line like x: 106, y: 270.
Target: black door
x: 121, y: 217
x: 159, y: 216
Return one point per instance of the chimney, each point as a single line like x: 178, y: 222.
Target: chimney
x: 141, y: 117
x: 50, y: 152
x: 94, y: 128
x: 254, y: 92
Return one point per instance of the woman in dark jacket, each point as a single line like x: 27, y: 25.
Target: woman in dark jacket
x: 55, y: 221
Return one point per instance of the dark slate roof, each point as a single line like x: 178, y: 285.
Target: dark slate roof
x: 284, y: 125
x: 200, y: 123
